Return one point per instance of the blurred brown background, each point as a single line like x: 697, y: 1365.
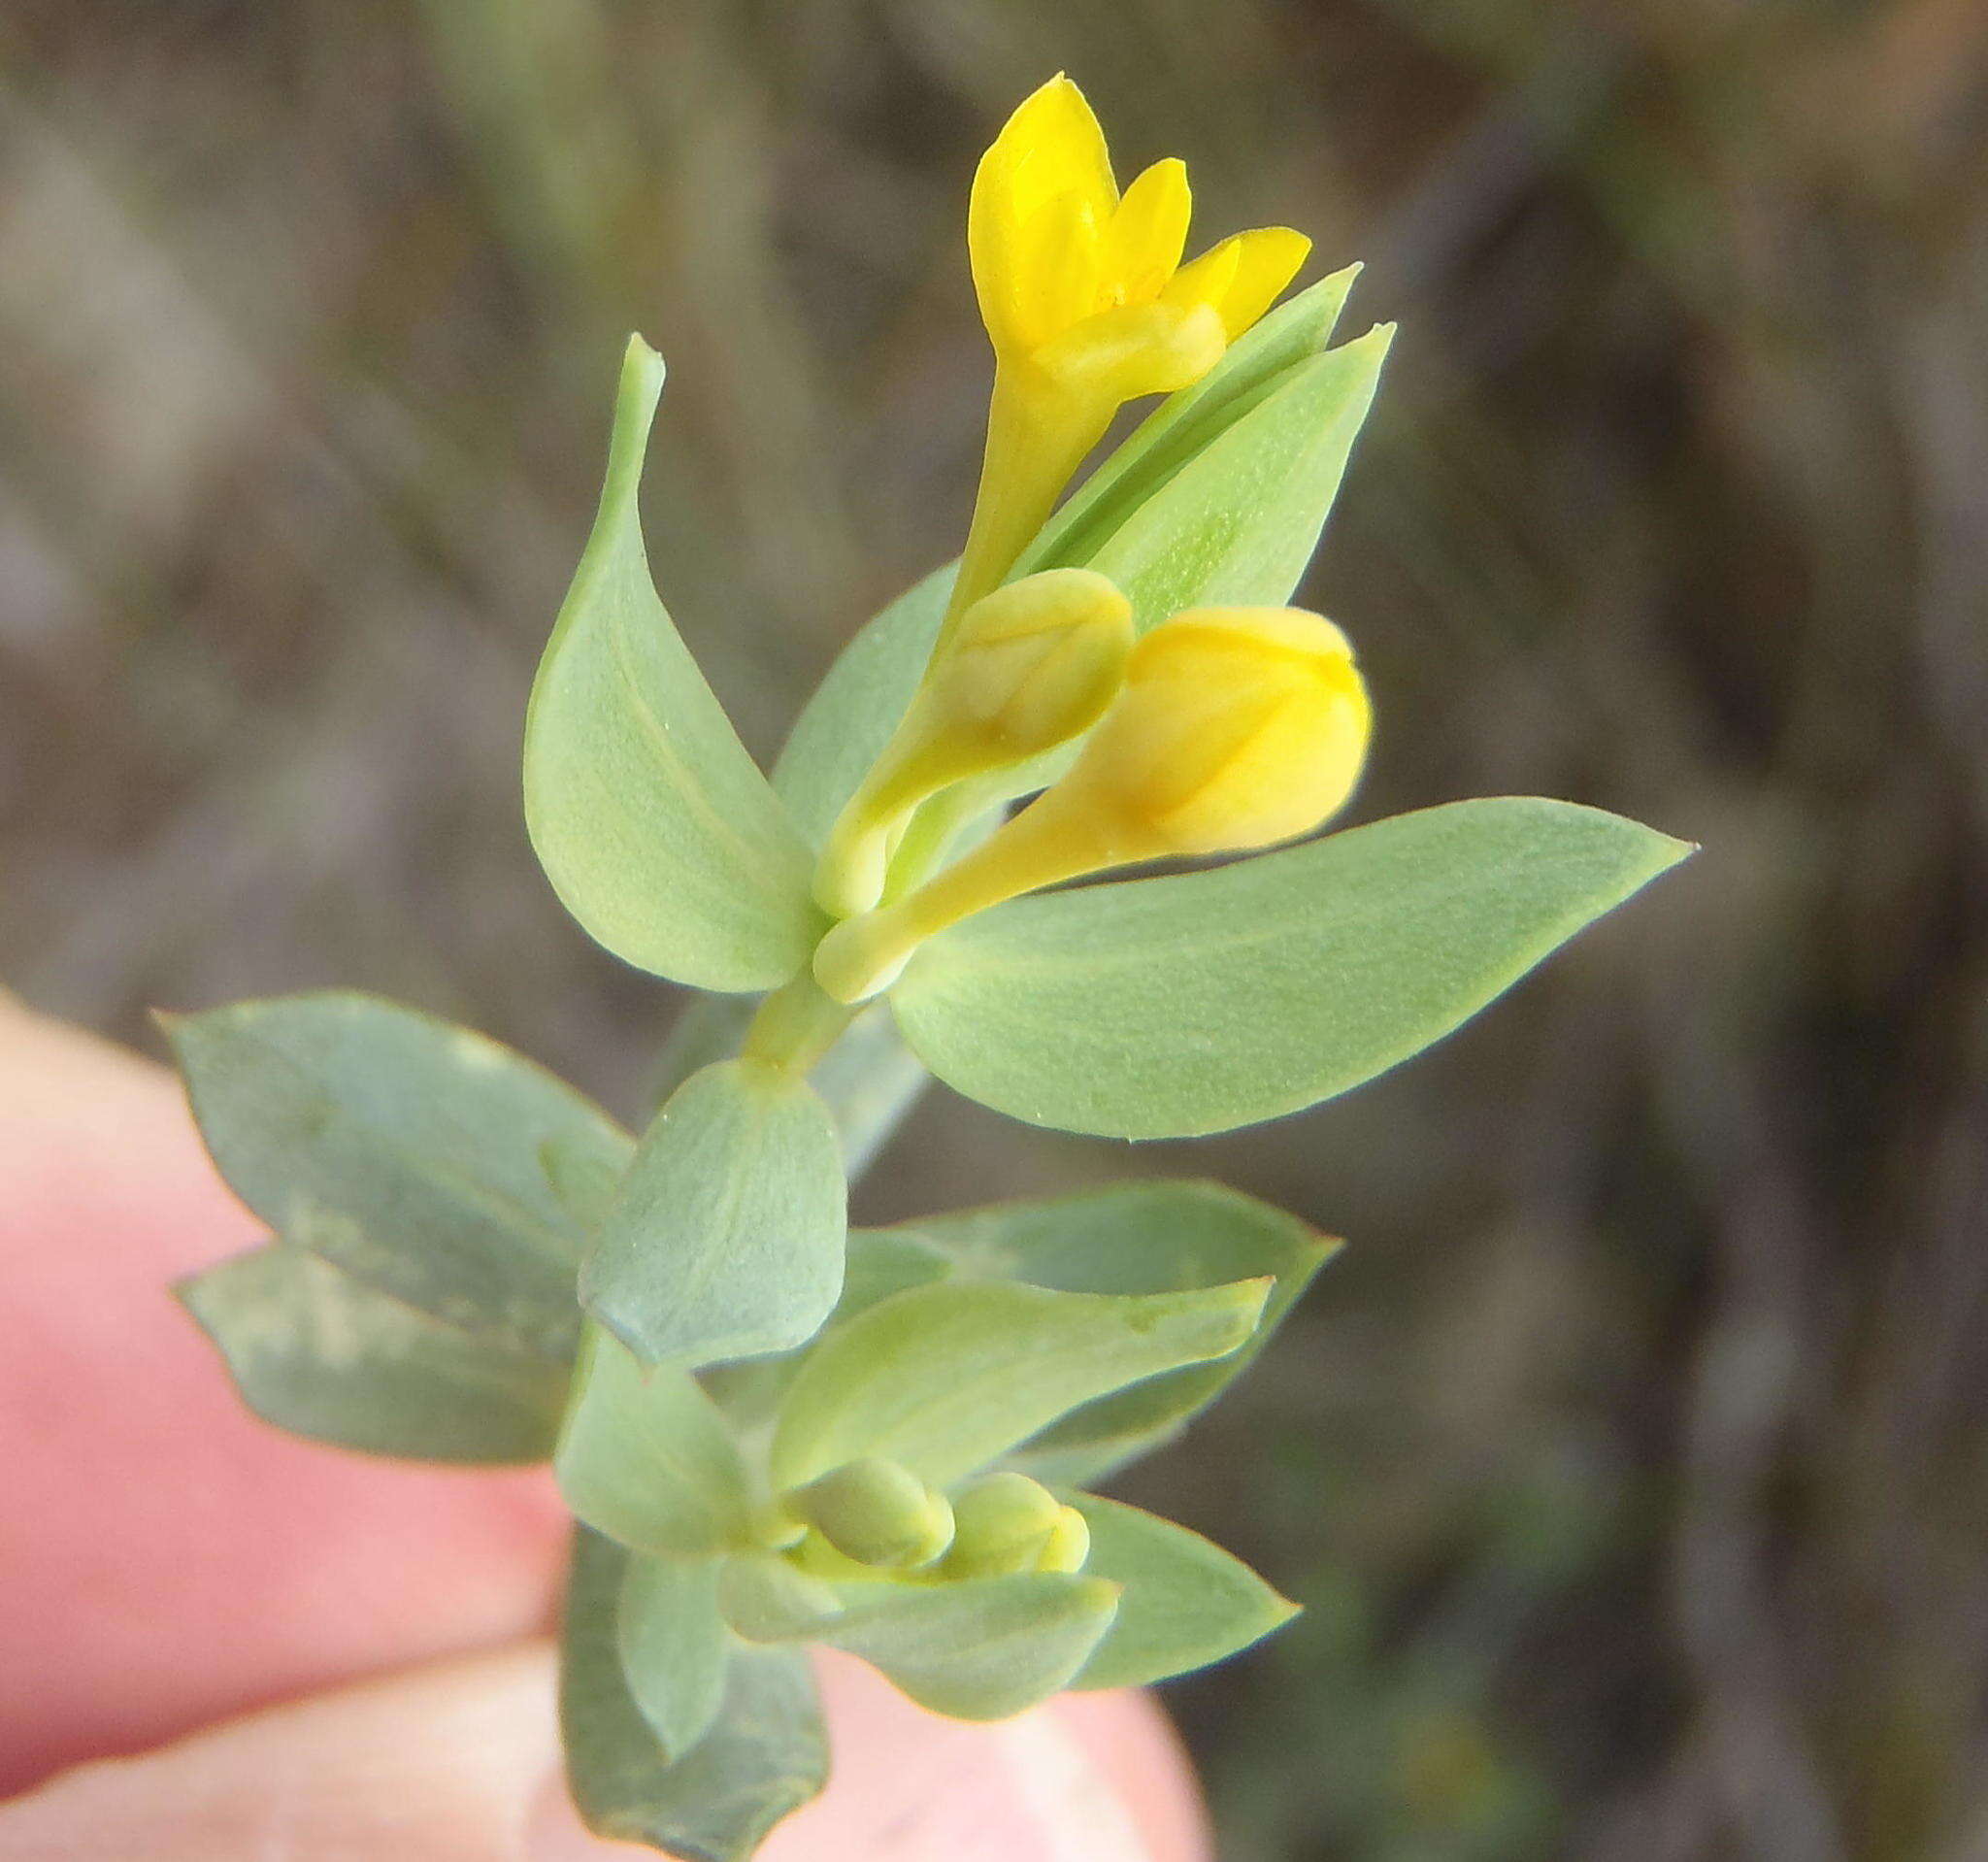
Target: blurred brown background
x: 1632, y: 1461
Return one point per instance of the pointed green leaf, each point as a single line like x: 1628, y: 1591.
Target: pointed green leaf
x: 1238, y: 521
x: 849, y: 720
x: 943, y: 1378
x: 1172, y: 1007
x: 879, y: 1262
x: 403, y: 1150
x: 981, y: 1651
x: 654, y: 826
x: 673, y: 1646
x: 727, y: 1237
x: 646, y: 1457
x: 314, y: 1352
x: 1185, y: 424
x: 1132, y: 1238
x: 1187, y: 1603
x: 765, y: 1755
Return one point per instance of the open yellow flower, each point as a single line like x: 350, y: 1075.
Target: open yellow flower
x: 1088, y: 307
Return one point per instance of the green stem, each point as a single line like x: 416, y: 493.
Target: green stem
x: 796, y: 1025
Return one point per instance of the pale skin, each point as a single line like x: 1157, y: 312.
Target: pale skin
x: 288, y: 1653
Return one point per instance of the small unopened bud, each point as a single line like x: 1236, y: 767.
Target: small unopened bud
x: 1237, y: 727
x: 1029, y: 667
x: 877, y: 1512
x: 1006, y: 1524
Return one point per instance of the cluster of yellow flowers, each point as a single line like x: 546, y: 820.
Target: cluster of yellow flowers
x: 1222, y: 729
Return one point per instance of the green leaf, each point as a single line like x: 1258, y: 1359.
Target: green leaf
x: 767, y: 1600
x: 654, y: 826
x: 1187, y: 1603
x: 1132, y: 1238
x: 980, y: 1651
x: 1168, y: 1008
x: 646, y: 1457
x: 1183, y: 424
x: 943, y: 1378
x: 405, y: 1150
x: 314, y: 1352
x: 879, y: 1262
x: 849, y: 720
x: 765, y: 1755
x: 673, y: 1646
x: 727, y: 1237
x: 1239, y: 520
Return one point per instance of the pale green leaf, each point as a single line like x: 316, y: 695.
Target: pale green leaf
x: 1131, y: 1238
x: 405, y: 1149
x: 765, y: 1755
x: 673, y: 1646
x: 981, y: 1651
x: 646, y: 1457
x: 1187, y: 1603
x: 766, y: 1599
x: 316, y: 1352
x: 879, y: 1263
x: 727, y: 1237
x: 943, y: 1378
x: 652, y: 820
x: 1168, y: 1008
x: 1238, y: 521
x: 857, y: 706
x: 1183, y: 424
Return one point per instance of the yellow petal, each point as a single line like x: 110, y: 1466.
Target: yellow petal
x: 1051, y: 146
x: 1244, y: 275
x: 1205, y: 280
x: 1142, y: 348
x: 1144, y: 238
x: 1055, y: 269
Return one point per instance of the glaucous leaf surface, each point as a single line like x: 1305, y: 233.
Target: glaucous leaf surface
x: 981, y: 1651
x: 650, y: 818
x: 405, y: 1150
x: 1238, y: 521
x: 765, y: 1755
x: 849, y: 719
x: 943, y: 1378
x: 766, y: 1599
x: 1131, y: 1238
x: 673, y: 1646
x: 1187, y: 1603
x: 1168, y: 1008
x: 726, y: 1239
x: 314, y: 1352
x: 646, y: 1458
x: 1185, y: 422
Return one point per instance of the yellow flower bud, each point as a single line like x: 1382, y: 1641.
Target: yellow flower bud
x: 1237, y: 727
x: 1008, y: 1523
x: 1032, y: 665
x: 875, y: 1512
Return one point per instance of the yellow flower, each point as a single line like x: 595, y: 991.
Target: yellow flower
x: 1088, y: 307
x: 1235, y: 728
x: 1073, y: 278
